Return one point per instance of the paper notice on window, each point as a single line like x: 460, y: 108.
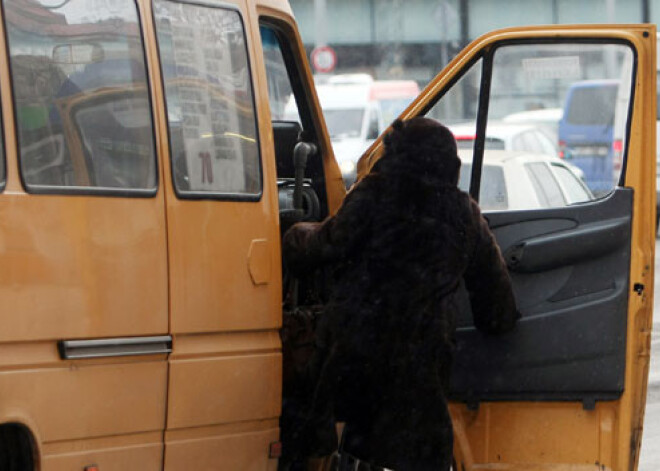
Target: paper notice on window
x: 564, y: 67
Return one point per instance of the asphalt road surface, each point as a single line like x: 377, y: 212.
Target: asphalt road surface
x: 649, y: 459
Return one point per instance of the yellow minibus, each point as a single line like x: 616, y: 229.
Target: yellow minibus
x: 147, y: 175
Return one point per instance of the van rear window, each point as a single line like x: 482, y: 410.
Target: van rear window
x: 82, y: 103
x: 592, y: 105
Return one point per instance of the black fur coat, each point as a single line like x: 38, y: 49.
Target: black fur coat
x: 398, y: 248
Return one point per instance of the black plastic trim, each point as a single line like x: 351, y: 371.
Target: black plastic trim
x: 482, y: 122
x: 567, y: 247
x: 570, y: 344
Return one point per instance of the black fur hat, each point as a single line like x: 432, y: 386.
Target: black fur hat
x: 421, y: 145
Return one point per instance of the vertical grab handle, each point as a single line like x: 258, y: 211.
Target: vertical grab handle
x: 301, y: 153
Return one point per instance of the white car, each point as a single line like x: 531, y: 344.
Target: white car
x: 547, y: 120
x: 506, y: 136
x: 513, y: 137
x: 513, y: 180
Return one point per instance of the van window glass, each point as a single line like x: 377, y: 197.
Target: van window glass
x: 283, y: 106
x: 83, y: 113
x: 584, y: 86
x: 210, y: 102
x: 457, y: 108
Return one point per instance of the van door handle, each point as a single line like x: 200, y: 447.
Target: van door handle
x: 114, y: 347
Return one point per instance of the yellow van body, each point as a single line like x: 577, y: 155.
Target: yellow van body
x: 140, y: 329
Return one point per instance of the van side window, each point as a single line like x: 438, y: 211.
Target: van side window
x: 83, y: 113
x: 210, y: 101
x: 546, y: 102
x: 581, y: 93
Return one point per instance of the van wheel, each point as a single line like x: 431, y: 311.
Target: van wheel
x: 15, y: 448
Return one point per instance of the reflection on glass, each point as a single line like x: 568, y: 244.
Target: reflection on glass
x: 209, y: 98
x: 82, y: 102
x: 280, y: 96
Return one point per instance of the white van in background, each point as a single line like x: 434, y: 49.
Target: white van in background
x: 357, y: 109
x: 354, y: 119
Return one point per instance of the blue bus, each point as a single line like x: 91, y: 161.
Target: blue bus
x: 586, y: 132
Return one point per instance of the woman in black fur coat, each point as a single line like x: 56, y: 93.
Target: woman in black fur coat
x: 398, y: 248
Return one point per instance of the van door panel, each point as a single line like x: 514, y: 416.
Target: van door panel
x: 224, y: 394
x: 201, y: 369
x: 573, y: 293
x: 82, y: 243
x: 74, y: 274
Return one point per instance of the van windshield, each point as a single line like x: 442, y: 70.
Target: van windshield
x: 593, y: 105
x: 343, y: 123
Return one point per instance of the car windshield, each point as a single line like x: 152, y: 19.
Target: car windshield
x: 343, y: 123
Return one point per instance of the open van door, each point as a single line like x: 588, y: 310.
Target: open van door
x: 566, y: 389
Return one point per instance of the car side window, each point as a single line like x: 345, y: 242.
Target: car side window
x: 211, y: 114
x: 574, y: 189
x: 83, y: 112
x: 548, y: 191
